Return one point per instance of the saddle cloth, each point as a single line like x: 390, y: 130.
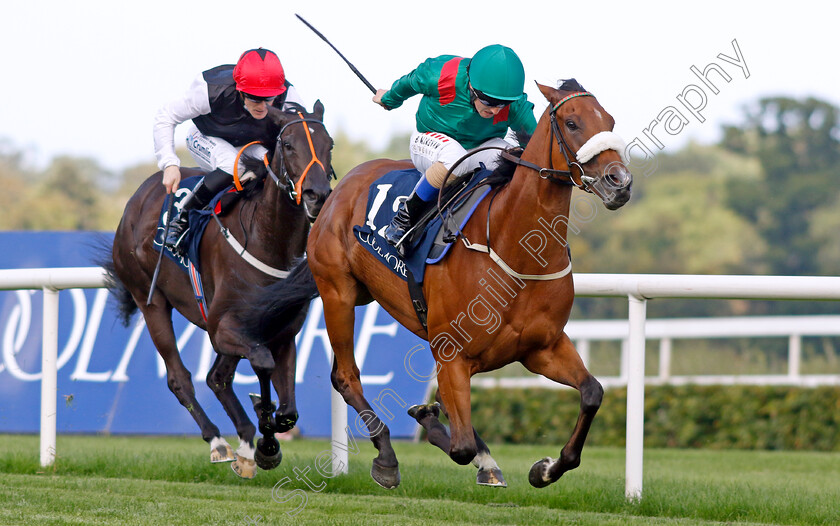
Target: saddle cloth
x: 384, y: 199
x: 198, y: 220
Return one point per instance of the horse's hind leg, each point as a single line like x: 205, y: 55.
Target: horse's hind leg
x: 489, y: 473
x: 158, y: 318
x: 563, y: 364
x: 339, y: 316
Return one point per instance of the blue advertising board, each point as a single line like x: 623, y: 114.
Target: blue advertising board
x: 111, y: 379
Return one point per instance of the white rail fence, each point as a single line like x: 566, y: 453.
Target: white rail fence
x: 793, y: 328
x: 637, y: 288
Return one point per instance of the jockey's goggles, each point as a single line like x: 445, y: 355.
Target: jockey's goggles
x: 488, y: 100
x: 254, y: 98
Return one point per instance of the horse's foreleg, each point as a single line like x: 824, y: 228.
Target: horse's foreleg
x: 227, y: 340
x: 339, y: 316
x: 283, y: 379
x: 268, y: 454
x: 489, y: 473
x: 563, y: 364
x: 454, y: 390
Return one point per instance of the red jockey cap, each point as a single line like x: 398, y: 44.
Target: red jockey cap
x: 259, y: 72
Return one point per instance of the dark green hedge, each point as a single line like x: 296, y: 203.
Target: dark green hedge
x: 722, y: 417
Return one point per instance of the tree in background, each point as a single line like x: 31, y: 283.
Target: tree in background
x: 348, y: 153
x: 677, y: 222
x: 797, y: 143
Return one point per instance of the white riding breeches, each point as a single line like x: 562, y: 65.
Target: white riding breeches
x: 212, y: 152
x: 431, y: 147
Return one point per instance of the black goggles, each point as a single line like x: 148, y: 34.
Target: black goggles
x: 254, y: 98
x: 488, y: 100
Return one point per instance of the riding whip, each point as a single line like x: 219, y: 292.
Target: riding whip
x: 170, y: 200
x: 356, y: 71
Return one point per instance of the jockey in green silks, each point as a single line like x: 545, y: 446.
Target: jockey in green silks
x: 467, y: 104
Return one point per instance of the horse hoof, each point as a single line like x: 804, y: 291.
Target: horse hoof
x: 285, y: 423
x: 538, y: 476
x: 491, y: 477
x: 388, y: 478
x: 268, y: 455
x: 420, y: 411
x: 222, y: 453
x: 244, y: 467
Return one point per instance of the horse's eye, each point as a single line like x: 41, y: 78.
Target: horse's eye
x: 287, y: 145
x: 571, y: 125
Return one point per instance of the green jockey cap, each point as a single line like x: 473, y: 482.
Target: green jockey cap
x: 497, y: 72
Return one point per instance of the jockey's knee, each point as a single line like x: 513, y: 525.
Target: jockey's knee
x: 436, y: 173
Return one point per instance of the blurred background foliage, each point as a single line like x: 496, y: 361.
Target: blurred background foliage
x: 764, y: 200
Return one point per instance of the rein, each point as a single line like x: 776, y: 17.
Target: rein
x: 552, y: 174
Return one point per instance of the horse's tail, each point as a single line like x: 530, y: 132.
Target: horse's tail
x: 274, y: 307
x: 126, y: 306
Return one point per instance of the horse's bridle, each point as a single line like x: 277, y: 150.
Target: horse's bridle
x: 293, y: 189
x: 552, y: 174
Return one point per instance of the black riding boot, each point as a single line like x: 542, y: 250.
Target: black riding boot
x: 203, y: 193
x: 407, y: 216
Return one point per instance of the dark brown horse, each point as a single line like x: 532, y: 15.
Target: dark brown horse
x: 272, y: 225
x: 483, y: 312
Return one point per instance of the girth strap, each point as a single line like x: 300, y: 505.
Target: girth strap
x: 418, y: 299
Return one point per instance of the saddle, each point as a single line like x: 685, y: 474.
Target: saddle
x: 432, y: 237
x: 220, y: 205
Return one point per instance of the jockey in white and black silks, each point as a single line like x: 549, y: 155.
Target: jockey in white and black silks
x: 467, y: 104
x: 227, y: 105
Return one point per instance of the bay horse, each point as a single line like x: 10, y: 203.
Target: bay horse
x: 270, y: 226
x: 483, y: 312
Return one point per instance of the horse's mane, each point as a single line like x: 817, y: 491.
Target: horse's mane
x: 254, y: 187
x: 570, y: 85
x: 504, y: 171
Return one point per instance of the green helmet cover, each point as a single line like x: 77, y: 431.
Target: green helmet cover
x: 497, y: 72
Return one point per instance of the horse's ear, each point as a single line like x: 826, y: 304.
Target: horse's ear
x: 548, y: 92
x: 277, y: 116
x: 318, y: 109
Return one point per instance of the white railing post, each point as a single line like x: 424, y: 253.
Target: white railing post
x: 635, y: 398
x: 664, y: 359
x: 794, y: 355
x: 624, y: 356
x: 582, y: 347
x: 49, y: 377
x: 340, y: 455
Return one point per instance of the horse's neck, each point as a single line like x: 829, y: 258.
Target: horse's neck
x: 278, y: 227
x: 531, y: 203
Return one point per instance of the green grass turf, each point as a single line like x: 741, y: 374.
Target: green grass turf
x: 169, y: 480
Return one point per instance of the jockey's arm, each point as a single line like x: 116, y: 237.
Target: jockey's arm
x: 193, y: 103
